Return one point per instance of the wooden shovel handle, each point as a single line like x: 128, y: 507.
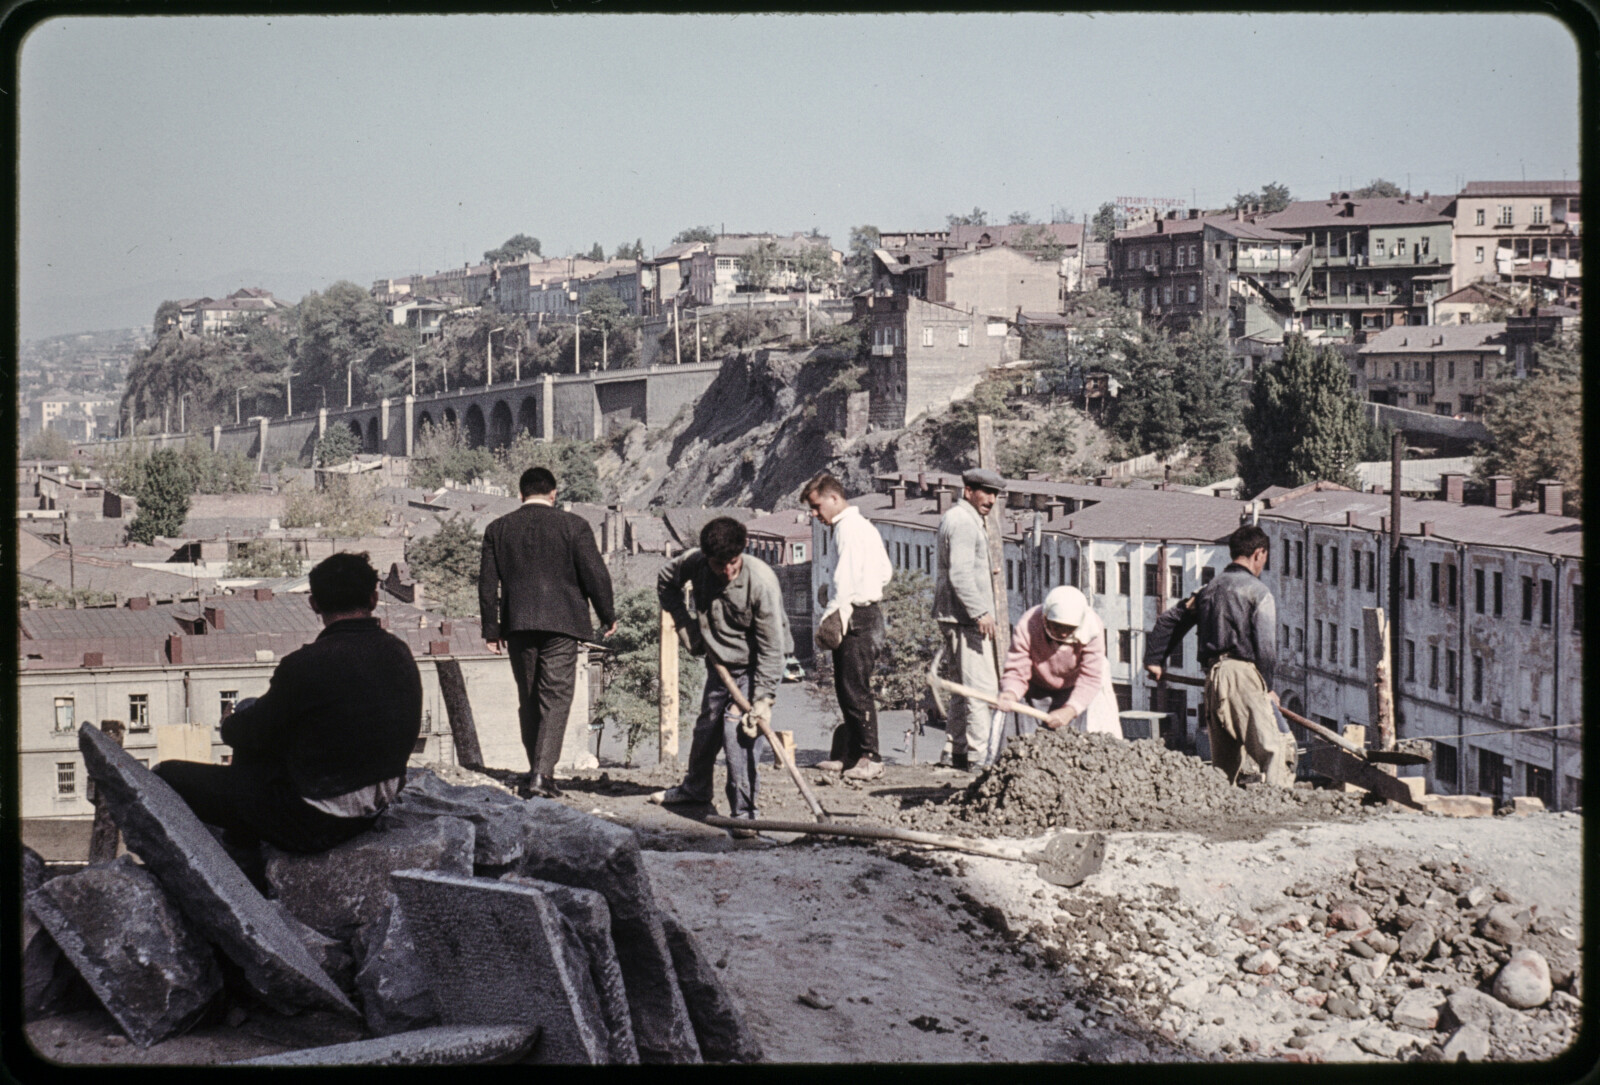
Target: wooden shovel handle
x: 967, y: 691
x: 1317, y: 728
x: 778, y: 750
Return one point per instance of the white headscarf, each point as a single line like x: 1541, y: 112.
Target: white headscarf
x: 1065, y: 605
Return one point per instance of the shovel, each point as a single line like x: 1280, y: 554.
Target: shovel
x: 1067, y: 859
x: 938, y: 686
x: 1386, y: 757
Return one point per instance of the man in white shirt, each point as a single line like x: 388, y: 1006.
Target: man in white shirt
x: 852, y: 623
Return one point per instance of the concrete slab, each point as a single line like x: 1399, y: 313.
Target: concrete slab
x: 144, y: 964
x: 340, y: 890
x: 440, y: 1046
x: 573, y: 848
x: 1460, y: 806
x: 497, y: 816
x: 718, y: 1025
x: 589, y: 915
x: 497, y: 955
x: 207, y: 886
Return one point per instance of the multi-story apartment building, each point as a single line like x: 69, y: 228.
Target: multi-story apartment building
x: 664, y: 277
x: 161, y: 669
x: 1132, y: 552
x: 714, y: 275
x: 1034, y: 239
x: 1490, y: 628
x: 1374, y: 262
x: 1217, y: 267
x: 518, y: 284
x: 993, y: 280
x: 1525, y: 230
x: 925, y: 354
x: 217, y: 317
x: 1443, y: 368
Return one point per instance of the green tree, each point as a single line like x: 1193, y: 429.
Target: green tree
x: 54, y: 595
x: 632, y: 694
x: 1104, y: 225
x: 1273, y: 197
x: 1378, y: 188
x: 446, y: 563
x: 955, y: 437
x: 741, y: 328
x: 1020, y: 218
x: 695, y: 233
x: 1209, y: 396
x: 516, y: 247
x: 1303, y: 421
x: 341, y: 332
x: 1147, y: 416
x: 760, y: 265
x: 336, y: 446
x: 266, y: 558
x: 345, y: 507
x: 607, y: 316
x: 211, y: 472
x: 626, y: 251
x: 441, y: 453
x: 596, y: 253
x: 48, y: 444
x: 976, y: 217
x: 858, y: 263
x: 1040, y: 243
x: 911, y: 637
x: 572, y: 462
x: 814, y: 265
x: 163, y: 498
x: 1536, y: 423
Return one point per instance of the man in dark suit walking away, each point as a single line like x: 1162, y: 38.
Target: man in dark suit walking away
x: 540, y: 572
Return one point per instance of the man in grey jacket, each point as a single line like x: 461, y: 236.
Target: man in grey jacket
x: 1238, y: 629
x: 963, y: 605
x: 739, y: 621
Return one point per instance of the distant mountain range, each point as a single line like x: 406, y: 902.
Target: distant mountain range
x: 68, y: 314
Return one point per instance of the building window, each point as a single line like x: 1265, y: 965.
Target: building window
x: 1378, y: 247
x: 66, y: 779
x: 1152, y: 579
x: 927, y: 337
x: 228, y: 700
x: 1538, y: 214
x: 1284, y: 642
x: 1477, y: 678
x: 1538, y: 779
x: 1477, y: 219
x: 1333, y: 565
x: 1450, y: 585
x: 1316, y: 649
x: 1491, y: 774
x: 1444, y: 765
x: 1180, y: 256
x: 1175, y: 581
x: 139, y: 710
x: 1355, y: 647
x: 1411, y: 661
x: 963, y: 338
x: 1166, y: 295
x: 1099, y: 578
x: 1300, y: 560
x: 1433, y: 583
x: 1061, y: 569
x: 1124, y: 645
x: 66, y: 714
x: 1333, y: 643
x: 1505, y: 214
x: 1124, y: 578
x: 1411, y: 578
x: 1010, y: 586
x: 1319, y: 563
x: 1288, y: 559
x: 1433, y: 666
x: 1450, y: 369
x: 1499, y: 581
x: 1477, y: 590
x: 799, y: 552
x: 1132, y: 259
x: 1546, y: 601
x: 1477, y: 252
x: 1527, y: 598
x: 1450, y: 670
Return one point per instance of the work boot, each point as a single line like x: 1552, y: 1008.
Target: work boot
x: 961, y: 762
x: 829, y: 766
x: 865, y: 769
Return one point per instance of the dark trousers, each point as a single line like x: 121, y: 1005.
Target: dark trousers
x: 853, y: 664
x: 717, y: 728
x: 545, y: 667
x: 254, y: 800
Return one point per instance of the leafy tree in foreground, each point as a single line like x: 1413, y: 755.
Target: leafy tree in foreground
x: 163, y: 498
x: 1537, y: 424
x: 910, y: 638
x: 446, y: 563
x: 1304, y: 423
x: 632, y: 695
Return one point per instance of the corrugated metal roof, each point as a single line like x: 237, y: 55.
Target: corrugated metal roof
x: 1436, y: 339
x: 1478, y: 525
x: 787, y: 524
x: 1415, y: 475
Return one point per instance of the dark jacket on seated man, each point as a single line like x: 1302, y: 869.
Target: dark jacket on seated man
x: 341, y: 713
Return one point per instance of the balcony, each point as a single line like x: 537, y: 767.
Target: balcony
x: 882, y: 350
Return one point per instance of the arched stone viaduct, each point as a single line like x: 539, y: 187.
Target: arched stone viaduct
x: 579, y: 407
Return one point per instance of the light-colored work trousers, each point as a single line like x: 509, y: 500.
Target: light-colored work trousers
x: 969, y: 659
x: 1240, y: 721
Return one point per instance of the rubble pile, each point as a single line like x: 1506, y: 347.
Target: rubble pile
x: 1065, y: 780
x: 467, y: 926
x: 1402, y: 960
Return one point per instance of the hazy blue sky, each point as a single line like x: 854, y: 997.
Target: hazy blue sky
x: 164, y: 156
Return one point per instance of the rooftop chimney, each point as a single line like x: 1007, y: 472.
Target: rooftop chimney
x: 1054, y: 511
x: 1452, y: 486
x: 1350, y: 518
x: 1383, y: 525
x: 897, y: 496
x: 1194, y: 212
x: 446, y: 628
x: 1102, y: 480
x: 216, y: 618
x: 1160, y: 227
x: 922, y: 483
x: 1427, y: 529
x: 943, y: 499
x: 438, y: 647
x: 1501, y: 492
x: 139, y: 602
x: 175, y: 648
x: 94, y: 659
x: 1550, y: 493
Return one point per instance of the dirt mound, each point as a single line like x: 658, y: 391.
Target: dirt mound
x: 1064, y: 780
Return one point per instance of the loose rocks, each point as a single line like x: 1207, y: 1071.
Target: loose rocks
x: 1524, y: 982
x: 1061, y: 779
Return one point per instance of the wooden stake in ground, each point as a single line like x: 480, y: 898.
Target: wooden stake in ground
x: 103, y: 835
x: 667, y: 744
x: 1380, y: 688
x: 997, y: 550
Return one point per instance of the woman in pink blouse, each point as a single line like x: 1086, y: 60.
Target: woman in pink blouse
x: 1058, y: 653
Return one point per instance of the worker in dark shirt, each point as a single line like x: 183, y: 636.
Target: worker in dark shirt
x: 319, y: 755
x: 1237, y: 622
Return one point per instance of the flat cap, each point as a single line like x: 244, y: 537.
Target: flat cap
x: 982, y: 478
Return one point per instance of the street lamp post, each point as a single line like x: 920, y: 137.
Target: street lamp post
x: 572, y: 296
x: 349, y: 380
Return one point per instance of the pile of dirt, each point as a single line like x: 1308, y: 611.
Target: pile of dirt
x: 1064, y: 780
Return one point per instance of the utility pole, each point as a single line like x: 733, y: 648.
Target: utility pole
x: 572, y: 296
x: 236, y: 406
x: 349, y: 380
x: 697, y: 335
x: 413, y: 369
x: 677, y: 338
x: 602, y: 345
x: 1397, y: 558
x: 488, y: 362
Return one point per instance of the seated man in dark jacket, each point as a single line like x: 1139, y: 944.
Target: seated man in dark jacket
x: 319, y: 755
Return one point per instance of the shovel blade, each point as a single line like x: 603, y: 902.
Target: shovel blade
x: 1069, y: 858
